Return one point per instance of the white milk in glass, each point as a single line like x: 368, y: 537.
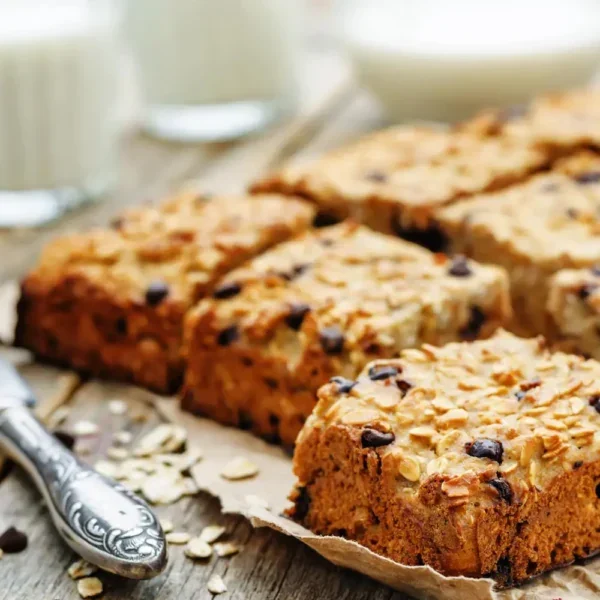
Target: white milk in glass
x: 57, y: 106
x: 214, y: 69
x: 444, y: 59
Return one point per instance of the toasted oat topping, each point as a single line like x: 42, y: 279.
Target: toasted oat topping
x: 362, y: 295
x: 176, y: 250
x: 564, y: 120
x: 416, y: 168
x: 504, y: 409
x: 552, y: 219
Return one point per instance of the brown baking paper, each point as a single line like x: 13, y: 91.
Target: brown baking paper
x: 273, y: 484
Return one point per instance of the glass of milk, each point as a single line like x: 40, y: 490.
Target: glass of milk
x: 57, y: 106
x: 445, y: 59
x: 214, y: 69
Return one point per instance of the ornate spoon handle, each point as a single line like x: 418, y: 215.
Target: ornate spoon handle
x: 100, y: 519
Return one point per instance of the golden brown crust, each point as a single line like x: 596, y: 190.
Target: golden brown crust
x: 560, y: 122
x: 112, y: 302
x: 322, y: 305
x: 396, y: 180
x: 533, y: 230
x: 477, y: 458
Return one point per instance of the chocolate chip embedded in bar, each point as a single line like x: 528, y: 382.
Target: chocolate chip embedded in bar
x: 360, y: 295
x: 112, y: 302
x: 396, y: 180
x: 533, y: 230
x: 457, y: 472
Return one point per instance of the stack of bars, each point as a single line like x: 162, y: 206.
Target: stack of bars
x: 456, y: 457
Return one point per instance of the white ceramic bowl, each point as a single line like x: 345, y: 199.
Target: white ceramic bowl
x: 443, y: 60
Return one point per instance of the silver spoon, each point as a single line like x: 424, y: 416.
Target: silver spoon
x: 100, y: 519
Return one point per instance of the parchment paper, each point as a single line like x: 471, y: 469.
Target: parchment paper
x: 273, y: 484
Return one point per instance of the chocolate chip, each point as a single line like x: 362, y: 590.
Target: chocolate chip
x: 13, y: 541
x: 244, y: 420
x: 577, y: 464
x: 227, y: 290
x: 157, y: 291
x: 376, y: 176
x: 295, y: 272
x: 473, y: 328
x: 589, y: 177
x: 273, y: 420
x: 598, y: 490
x: 403, y: 385
x: 344, y: 386
x: 432, y: 238
x: 325, y: 220
x: 272, y: 383
x: 486, y: 448
x: 585, y: 291
x: 459, y: 267
x: 371, y: 438
x: 121, y: 326
x: 332, y: 340
x: 504, y: 571
x: 228, y: 336
x: 299, y: 269
x: 301, y: 504
x: 295, y: 318
x: 595, y: 402
x: 377, y: 373
x: 66, y: 439
x: 503, y: 488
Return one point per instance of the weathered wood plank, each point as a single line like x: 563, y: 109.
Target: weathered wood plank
x: 269, y: 566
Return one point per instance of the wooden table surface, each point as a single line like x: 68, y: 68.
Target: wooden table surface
x: 331, y: 111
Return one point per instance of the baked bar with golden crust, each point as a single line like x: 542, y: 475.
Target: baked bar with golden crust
x: 478, y: 459
x: 533, y: 230
x: 561, y: 122
x: 396, y: 180
x: 325, y: 304
x: 111, y: 302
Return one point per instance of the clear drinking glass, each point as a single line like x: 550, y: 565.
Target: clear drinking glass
x: 214, y: 69
x: 57, y: 106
